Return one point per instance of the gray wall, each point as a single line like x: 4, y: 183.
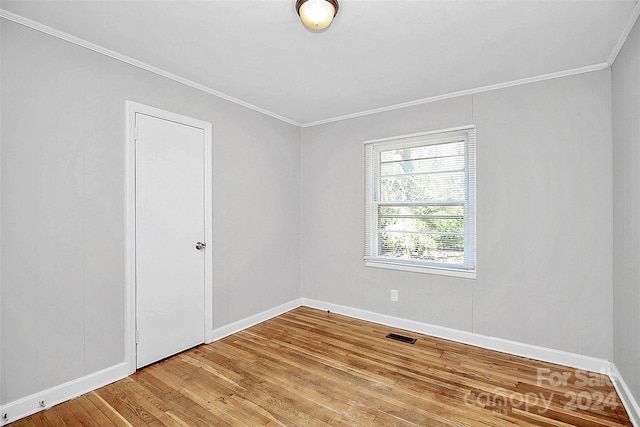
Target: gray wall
x: 544, y: 181
x: 62, y: 216
x: 288, y: 215
x: 2, y: 381
x: 626, y: 211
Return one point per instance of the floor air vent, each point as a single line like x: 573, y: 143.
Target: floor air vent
x: 401, y: 338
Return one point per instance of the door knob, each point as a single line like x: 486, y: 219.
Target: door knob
x: 200, y: 246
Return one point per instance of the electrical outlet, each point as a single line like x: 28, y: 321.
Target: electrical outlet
x: 394, y: 295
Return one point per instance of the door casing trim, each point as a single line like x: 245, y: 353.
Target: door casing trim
x: 131, y: 108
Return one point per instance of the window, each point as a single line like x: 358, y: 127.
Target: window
x: 420, y: 202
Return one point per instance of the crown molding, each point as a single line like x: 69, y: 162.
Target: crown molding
x: 596, y: 67
x: 559, y: 74
x: 625, y: 33
x: 142, y: 65
x: 139, y: 64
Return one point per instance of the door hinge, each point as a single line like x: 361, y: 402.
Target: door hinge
x: 137, y: 337
x: 135, y: 134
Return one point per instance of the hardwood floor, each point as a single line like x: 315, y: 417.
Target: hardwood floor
x: 309, y: 367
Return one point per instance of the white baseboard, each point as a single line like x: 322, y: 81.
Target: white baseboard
x: 31, y: 404
x: 564, y: 358
x: 232, y: 328
x: 629, y: 402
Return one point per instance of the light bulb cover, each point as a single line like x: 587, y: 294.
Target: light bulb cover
x: 317, y: 14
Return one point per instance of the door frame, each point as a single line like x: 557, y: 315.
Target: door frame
x: 131, y: 108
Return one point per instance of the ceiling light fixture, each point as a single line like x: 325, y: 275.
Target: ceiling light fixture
x: 317, y: 14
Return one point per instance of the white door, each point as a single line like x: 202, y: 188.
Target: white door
x: 170, y: 223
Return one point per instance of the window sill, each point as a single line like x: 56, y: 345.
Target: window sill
x: 424, y: 270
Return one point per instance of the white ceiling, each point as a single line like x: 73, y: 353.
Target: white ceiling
x: 376, y: 54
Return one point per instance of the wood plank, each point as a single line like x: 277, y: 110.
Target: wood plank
x: 310, y: 367
x: 114, y: 416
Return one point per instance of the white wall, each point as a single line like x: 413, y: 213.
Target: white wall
x: 544, y: 182
x: 62, y: 217
x: 626, y: 208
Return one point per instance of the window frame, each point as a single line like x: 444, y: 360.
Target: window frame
x: 373, y: 148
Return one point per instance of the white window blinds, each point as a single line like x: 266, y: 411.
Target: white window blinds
x: 420, y: 200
